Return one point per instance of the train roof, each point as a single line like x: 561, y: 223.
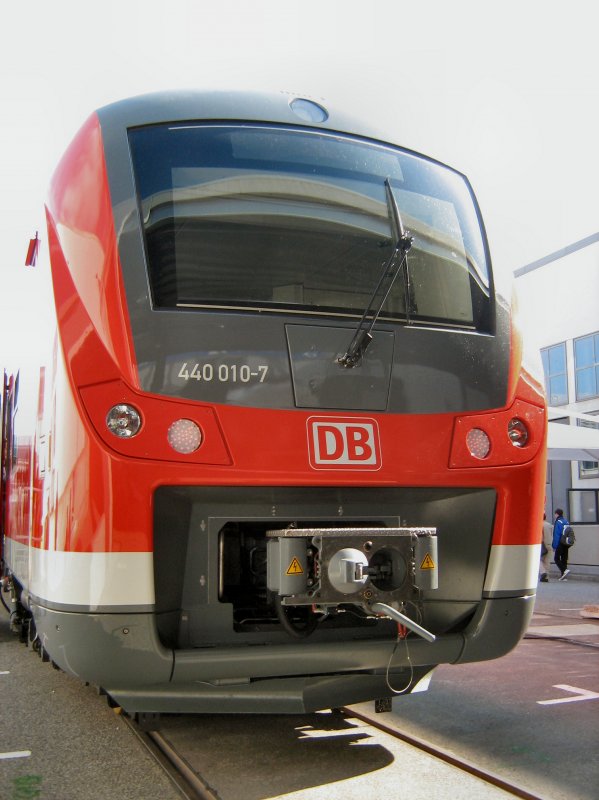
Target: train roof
x: 281, y: 107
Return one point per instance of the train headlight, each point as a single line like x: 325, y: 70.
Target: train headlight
x: 517, y: 432
x: 184, y: 436
x: 308, y: 110
x: 478, y: 443
x: 123, y: 421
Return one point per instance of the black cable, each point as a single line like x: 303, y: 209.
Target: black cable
x: 298, y: 632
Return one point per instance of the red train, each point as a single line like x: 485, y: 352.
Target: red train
x: 284, y: 424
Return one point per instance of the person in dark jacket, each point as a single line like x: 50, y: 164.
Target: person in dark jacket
x: 560, y: 550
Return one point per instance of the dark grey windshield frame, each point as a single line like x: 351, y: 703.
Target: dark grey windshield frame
x: 263, y: 217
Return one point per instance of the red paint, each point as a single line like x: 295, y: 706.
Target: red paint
x: 85, y: 264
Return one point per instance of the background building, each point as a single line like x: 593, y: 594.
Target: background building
x: 559, y: 306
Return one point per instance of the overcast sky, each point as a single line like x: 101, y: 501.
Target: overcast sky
x: 507, y: 92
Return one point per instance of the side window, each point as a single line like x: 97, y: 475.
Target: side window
x: 13, y: 411
x: 556, y: 376
x: 8, y: 452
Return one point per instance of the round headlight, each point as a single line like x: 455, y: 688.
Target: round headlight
x: 123, y: 421
x: 184, y: 436
x: 517, y: 432
x: 478, y: 443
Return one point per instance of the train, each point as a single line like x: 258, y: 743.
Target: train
x: 284, y: 452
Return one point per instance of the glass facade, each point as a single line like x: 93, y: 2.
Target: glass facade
x: 556, y: 376
x: 586, y: 366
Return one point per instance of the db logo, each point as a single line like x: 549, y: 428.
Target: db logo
x: 343, y: 443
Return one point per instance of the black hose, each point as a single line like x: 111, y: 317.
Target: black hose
x: 297, y: 631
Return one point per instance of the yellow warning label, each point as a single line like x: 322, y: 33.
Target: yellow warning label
x: 427, y: 562
x: 295, y: 568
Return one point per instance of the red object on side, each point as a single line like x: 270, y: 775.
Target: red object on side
x: 32, y: 251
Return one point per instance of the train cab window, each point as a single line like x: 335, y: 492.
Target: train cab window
x: 292, y: 220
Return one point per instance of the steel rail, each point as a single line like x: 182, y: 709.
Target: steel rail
x: 445, y: 755
x: 186, y: 780
x: 193, y: 787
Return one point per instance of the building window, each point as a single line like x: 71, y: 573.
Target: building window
x: 556, y: 379
x: 588, y: 469
x: 586, y: 366
x: 584, y: 505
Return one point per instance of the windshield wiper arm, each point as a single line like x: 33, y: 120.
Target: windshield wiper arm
x: 401, y: 244
x: 405, y: 243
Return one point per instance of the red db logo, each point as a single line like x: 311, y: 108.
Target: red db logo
x: 343, y: 443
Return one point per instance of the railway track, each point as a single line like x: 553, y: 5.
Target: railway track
x: 183, y: 776
x: 187, y: 776
x: 447, y: 757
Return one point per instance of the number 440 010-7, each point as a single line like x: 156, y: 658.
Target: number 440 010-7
x: 223, y: 373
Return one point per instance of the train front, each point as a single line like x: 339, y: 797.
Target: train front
x: 299, y: 462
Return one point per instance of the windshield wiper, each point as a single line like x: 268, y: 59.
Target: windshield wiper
x: 402, y: 241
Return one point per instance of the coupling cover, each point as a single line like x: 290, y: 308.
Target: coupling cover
x: 336, y: 566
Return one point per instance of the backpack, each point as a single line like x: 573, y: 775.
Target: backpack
x: 568, y: 536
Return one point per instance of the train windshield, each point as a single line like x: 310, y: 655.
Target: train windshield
x: 263, y: 218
